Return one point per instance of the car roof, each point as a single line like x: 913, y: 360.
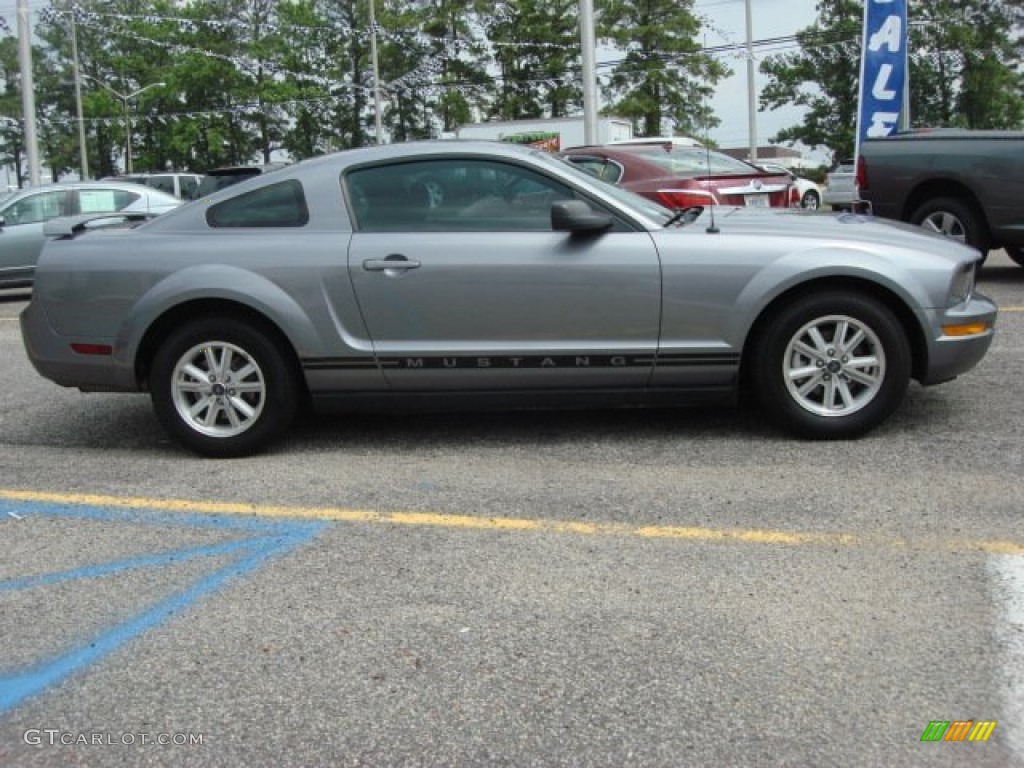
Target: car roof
x: 678, y: 141
x: 127, y: 186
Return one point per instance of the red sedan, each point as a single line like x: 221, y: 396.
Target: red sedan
x: 680, y: 177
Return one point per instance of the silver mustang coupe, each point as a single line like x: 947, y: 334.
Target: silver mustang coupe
x: 486, y: 274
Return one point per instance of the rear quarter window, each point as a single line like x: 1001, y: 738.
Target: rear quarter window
x: 278, y: 205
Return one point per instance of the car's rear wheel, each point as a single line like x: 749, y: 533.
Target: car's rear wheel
x: 953, y: 218
x: 833, y: 365
x: 222, y: 387
x: 1016, y: 254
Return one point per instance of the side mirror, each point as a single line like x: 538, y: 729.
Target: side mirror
x: 577, y: 216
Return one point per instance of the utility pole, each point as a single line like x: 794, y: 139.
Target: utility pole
x: 751, y: 87
x: 82, y: 154
x: 28, y: 94
x: 588, y: 48
x: 376, y: 77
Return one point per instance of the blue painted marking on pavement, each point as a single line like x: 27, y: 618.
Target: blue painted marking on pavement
x: 105, y: 569
x: 272, y: 538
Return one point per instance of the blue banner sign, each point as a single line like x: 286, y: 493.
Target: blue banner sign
x: 883, y: 68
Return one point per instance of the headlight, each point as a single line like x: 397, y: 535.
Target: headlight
x: 962, y: 286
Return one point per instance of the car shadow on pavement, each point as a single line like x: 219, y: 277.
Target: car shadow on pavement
x: 1012, y: 275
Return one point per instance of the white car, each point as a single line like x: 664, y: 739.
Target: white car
x: 675, y: 141
x: 841, y: 187
x: 810, y: 193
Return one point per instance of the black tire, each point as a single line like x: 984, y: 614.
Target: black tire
x: 241, y: 416
x: 874, y: 390
x: 1016, y: 254
x: 953, y: 217
x: 811, y: 200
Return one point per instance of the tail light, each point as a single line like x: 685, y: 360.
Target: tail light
x: 684, y: 198
x: 861, y: 179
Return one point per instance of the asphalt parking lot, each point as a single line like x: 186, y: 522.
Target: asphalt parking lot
x: 628, y: 588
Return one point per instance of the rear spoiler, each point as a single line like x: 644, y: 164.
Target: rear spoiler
x: 69, y: 227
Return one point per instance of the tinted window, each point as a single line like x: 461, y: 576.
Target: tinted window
x: 189, y: 188
x: 599, y: 167
x: 278, y: 205
x: 103, y: 200
x: 163, y: 183
x: 453, y: 195
x: 41, y: 207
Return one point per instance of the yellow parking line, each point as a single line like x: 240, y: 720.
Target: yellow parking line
x: 434, y: 519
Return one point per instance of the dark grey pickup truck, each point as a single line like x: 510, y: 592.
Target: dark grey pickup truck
x: 965, y: 184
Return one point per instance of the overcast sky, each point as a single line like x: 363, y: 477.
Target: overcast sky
x: 771, y: 18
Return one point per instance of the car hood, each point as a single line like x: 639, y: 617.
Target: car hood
x: 841, y: 229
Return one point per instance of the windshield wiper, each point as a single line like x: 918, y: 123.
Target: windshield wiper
x: 686, y: 215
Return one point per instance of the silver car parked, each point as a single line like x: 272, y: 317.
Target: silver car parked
x: 491, y: 274
x: 24, y: 214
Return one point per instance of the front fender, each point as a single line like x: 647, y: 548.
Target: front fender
x: 832, y: 262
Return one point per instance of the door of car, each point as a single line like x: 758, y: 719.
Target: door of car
x: 21, y: 236
x: 463, y: 284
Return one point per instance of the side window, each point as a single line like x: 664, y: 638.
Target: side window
x: 104, y: 200
x: 189, y: 187
x: 163, y: 183
x: 41, y: 207
x: 453, y: 195
x: 597, y: 166
x: 278, y: 205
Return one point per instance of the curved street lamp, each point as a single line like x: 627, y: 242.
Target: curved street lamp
x: 125, y: 98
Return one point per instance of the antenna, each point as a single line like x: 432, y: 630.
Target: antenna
x: 712, y: 229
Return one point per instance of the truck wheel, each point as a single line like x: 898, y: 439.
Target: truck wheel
x: 1016, y: 254
x: 831, y: 366
x: 953, y: 218
x: 223, y: 388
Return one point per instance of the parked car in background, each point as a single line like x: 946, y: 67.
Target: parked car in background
x: 23, y: 215
x: 968, y: 185
x: 810, y: 193
x: 678, y: 176
x: 219, y: 178
x: 527, y: 283
x: 841, y: 187
x: 681, y: 141
x: 184, y: 186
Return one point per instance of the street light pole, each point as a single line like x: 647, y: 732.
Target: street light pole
x: 28, y: 94
x: 125, y: 98
x: 751, y: 88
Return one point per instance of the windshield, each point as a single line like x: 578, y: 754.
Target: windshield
x: 634, y: 202
x: 688, y: 161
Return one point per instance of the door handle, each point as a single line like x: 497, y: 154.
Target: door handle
x: 393, y: 261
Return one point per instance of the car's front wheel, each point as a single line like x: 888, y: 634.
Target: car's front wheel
x: 811, y: 201
x: 222, y: 387
x: 832, y: 365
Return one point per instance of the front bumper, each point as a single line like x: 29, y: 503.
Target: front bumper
x: 949, y: 356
